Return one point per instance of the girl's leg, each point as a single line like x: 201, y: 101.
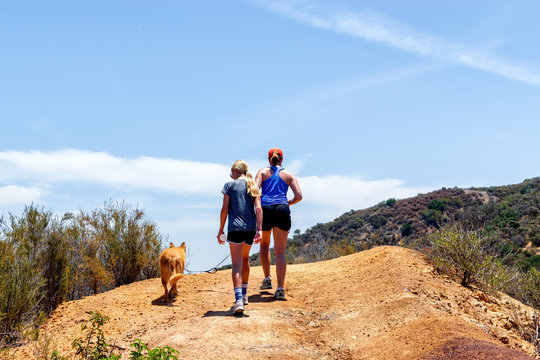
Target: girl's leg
x: 245, y: 272
x: 236, y: 259
x: 280, y: 243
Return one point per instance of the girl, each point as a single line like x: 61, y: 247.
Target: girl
x: 242, y: 204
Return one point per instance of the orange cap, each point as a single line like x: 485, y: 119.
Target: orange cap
x: 271, y: 151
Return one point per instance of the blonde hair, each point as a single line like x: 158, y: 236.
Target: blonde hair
x: 242, y: 167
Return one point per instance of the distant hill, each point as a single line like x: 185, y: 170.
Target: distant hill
x: 509, y: 215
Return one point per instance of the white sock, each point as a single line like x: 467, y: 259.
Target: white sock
x: 238, y: 293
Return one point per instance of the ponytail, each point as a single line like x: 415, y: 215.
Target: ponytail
x: 252, y: 188
x: 275, y: 158
x: 243, y: 168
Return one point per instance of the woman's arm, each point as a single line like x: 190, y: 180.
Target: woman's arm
x: 296, y: 191
x: 223, y: 215
x: 258, y: 178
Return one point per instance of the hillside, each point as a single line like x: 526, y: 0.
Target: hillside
x: 384, y: 303
x: 509, y: 215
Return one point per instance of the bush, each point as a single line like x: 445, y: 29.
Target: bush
x: 463, y: 254
x: 391, y: 202
x: 129, y: 243
x: 406, y: 229
x: 19, y: 293
x: 433, y: 217
x: 377, y: 221
x: 529, y: 288
x: 536, y: 239
x: 46, y: 259
x: 435, y: 204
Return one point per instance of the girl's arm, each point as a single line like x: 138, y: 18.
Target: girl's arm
x: 223, y: 215
x: 259, y: 216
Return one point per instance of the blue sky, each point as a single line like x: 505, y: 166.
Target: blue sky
x: 152, y: 101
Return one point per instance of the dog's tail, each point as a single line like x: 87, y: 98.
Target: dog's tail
x: 174, y: 279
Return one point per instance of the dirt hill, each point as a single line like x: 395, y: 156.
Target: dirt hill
x: 384, y: 303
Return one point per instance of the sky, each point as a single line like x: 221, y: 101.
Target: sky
x: 150, y: 102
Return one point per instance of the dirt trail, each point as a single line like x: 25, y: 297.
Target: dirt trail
x: 384, y: 303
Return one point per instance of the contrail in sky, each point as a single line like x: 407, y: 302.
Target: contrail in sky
x: 378, y: 28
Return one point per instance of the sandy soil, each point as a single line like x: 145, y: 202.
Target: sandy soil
x: 384, y: 303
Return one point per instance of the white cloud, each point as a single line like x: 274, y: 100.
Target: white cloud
x: 345, y: 193
x: 65, y: 166
x: 18, y: 195
x: 175, y: 176
x: 378, y: 28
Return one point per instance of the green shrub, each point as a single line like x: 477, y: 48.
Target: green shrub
x: 531, y: 262
x: 435, y: 204
x: 406, y: 229
x: 129, y: 244
x: 390, y: 202
x: 529, y: 288
x: 94, y: 346
x: 20, y: 294
x: 356, y: 223
x: 463, y: 254
x: 142, y: 352
x: 536, y: 239
x: 432, y: 217
x: 377, y: 221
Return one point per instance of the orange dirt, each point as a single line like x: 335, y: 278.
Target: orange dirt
x: 384, y: 303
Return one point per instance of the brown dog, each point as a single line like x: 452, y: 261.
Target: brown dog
x: 171, y: 264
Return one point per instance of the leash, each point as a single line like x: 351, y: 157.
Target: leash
x: 209, y: 271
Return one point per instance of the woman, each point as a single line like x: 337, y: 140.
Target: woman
x: 275, y: 182
x: 242, y: 204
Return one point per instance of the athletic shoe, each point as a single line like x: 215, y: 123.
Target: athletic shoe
x: 266, y: 284
x: 238, y: 307
x: 280, y: 294
x: 245, y: 300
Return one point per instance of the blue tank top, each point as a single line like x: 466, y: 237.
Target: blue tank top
x: 274, y: 189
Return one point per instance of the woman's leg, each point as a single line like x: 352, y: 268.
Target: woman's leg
x: 264, y: 252
x: 280, y: 243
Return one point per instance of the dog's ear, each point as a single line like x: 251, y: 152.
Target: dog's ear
x: 172, y: 245
x: 183, y: 245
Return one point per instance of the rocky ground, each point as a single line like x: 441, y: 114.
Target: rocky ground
x: 384, y: 303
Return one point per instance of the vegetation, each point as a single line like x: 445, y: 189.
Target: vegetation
x: 46, y: 259
x: 94, y: 346
x: 464, y: 254
x: 508, y: 216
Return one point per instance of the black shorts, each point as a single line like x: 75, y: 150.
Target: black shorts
x: 278, y: 216
x: 239, y: 237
